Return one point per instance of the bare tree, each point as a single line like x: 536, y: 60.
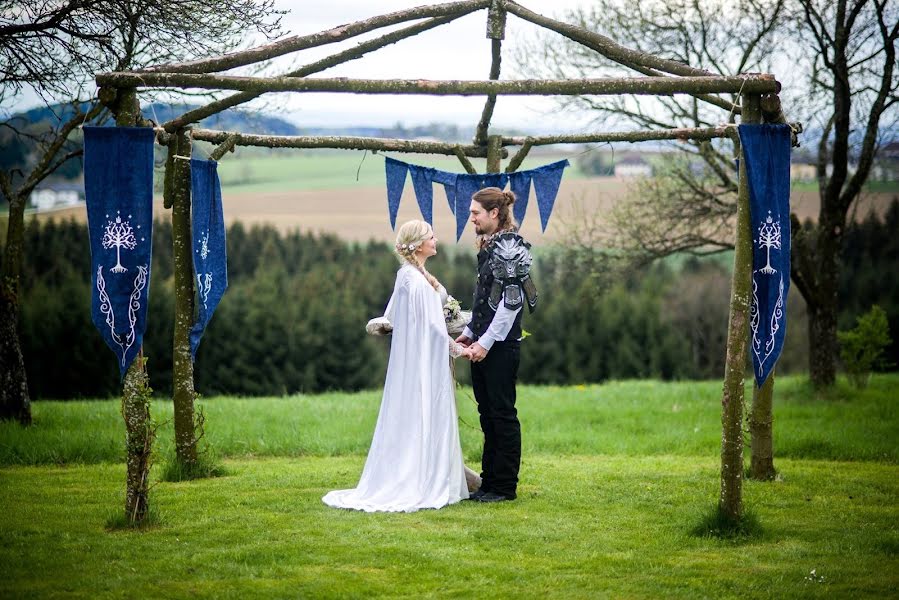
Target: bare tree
x: 839, y: 59
x: 853, y: 81
x: 690, y: 204
x: 53, y: 49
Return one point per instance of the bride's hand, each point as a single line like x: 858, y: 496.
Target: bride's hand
x: 466, y: 354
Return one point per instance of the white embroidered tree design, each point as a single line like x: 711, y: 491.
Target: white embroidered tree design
x: 769, y: 237
x: 204, y: 246
x: 119, y: 235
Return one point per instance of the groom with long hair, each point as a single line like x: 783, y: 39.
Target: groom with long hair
x: 494, y: 337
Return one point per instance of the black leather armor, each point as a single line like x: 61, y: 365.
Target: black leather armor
x: 503, y: 268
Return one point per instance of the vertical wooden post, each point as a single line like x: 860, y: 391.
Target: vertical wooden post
x: 496, y: 31
x: 136, y: 388
x: 183, y: 369
x: 730, y: 502
x: 761, y: 466
x: 494, y: 153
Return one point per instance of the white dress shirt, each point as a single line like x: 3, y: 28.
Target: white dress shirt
x: 499, y: 327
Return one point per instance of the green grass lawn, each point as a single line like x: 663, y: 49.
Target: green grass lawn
x: 614, y: 480
x: 634, y: 418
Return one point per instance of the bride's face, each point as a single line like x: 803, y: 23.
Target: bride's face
x: 428, y: 247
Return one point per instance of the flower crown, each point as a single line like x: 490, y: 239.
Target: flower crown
x: 406, y: 249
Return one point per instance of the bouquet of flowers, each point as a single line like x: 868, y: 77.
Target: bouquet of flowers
x: 456, y: 318
x: 451, y: 310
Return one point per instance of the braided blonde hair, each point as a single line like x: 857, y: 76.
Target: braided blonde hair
x: 410, y: 236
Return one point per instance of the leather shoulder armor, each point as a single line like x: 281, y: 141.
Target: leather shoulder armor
x: 510, y: 264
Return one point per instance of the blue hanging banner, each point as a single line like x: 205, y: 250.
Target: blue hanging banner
x: 118, y: 188
x: 395, y: 172
x: 210, y: 254
x: 766, y: 151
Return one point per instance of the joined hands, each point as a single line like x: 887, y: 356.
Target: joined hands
x: 472, y: 351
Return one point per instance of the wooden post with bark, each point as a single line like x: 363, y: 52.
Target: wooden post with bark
x: 730, y: 501
x: 761, y: 420
x: 183, y: 395
x: 139, y: 432
x: 494, y: 153
x: 15, y: 402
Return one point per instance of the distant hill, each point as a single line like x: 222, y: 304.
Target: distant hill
x: 248, y: 121
x: 16, y: 151
x: 231, y: 120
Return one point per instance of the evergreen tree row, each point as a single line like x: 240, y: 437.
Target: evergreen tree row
x: 293, y: 318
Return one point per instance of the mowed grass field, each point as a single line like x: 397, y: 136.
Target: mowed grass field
x: 344, y: 193
x: 615, y: 481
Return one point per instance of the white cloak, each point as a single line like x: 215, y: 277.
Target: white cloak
x: 415, y: 458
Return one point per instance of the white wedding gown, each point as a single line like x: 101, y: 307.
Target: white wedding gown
x: 415, y: 458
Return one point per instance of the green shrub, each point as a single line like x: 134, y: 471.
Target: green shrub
x: 862, y: 348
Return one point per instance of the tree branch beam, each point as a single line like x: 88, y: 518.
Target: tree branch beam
x: 692, y: 133
x: 604, y: 45
x: 466, y: 164
x: 341, y: 142
x: 330, y: 36
x: 356, y: 52
x: 520, y: 155
x: 749, y: 84
x: 224, y: 147
x: 480, y: 136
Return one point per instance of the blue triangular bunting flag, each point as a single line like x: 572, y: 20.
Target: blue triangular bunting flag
x: 546, y: 186
x: 520, y: 184
x: 460, y: 188
x: 396, y: 179
x: 422, y: 178
x: 449, y: 185
x: 466, y: 186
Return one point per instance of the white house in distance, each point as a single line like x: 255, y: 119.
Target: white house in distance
x: 57, y: 195
x: 633, y: 165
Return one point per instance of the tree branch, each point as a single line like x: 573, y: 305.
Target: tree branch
x: 302, y: 42
x: 359, y: 51
x: 750, y: 84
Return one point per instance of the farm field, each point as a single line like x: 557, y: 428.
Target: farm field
x: 320, y: 192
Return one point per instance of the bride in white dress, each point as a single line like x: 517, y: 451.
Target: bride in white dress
x: 415, y: 458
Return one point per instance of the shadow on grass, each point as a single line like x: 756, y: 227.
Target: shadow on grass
x: 716, y: 524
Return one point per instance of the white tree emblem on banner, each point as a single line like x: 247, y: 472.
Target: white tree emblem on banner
x: 118, y: 235
x: 769, y: 237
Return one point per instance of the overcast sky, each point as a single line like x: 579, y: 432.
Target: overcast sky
x: 458, y: 50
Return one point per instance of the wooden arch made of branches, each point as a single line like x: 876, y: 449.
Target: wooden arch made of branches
x: 758, y: 102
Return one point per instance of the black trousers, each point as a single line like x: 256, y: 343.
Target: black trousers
x: 493, y: 380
